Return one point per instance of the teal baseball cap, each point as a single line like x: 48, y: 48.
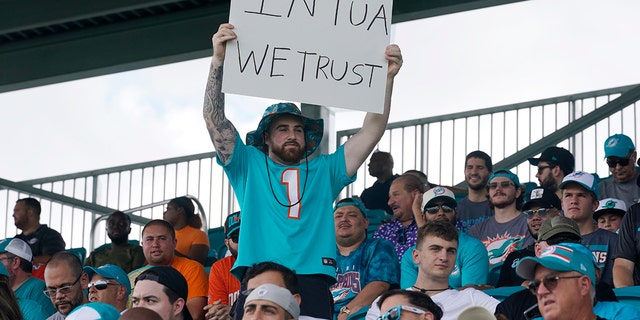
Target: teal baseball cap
x: 110, y: 271
x: 3, y: 270
x: 563, y: 257
x: 507, y: 174
x: 618, y: 145
x: 94, y: 311
x: 352, y: 201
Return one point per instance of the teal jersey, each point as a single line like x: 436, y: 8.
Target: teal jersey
x: 300, y: 237
x: 472, y: 264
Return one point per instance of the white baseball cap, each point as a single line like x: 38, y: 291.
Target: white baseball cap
x: 18, y: 247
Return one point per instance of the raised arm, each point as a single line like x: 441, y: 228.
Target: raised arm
x: 221, y: 130
x: 361, y: 144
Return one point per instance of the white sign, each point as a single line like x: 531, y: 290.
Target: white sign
x: 324, y: 52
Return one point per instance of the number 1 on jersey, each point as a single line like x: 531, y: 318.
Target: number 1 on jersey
x: 291, y: 178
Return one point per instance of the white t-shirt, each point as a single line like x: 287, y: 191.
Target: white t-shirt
x: 452, y: 302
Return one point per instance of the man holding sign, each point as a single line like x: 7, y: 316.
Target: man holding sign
x: 286, y: 198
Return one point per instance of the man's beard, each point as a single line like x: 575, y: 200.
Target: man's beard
x: 506, y: 203
x: 549, y: 183
x: 289, y: 155
x: 479, y: 186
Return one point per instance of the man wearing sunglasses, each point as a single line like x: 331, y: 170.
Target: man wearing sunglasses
x: 621, y: 155
x: 507, y: 230
x: 223, y: 286
x: 553, y: 165
x: 472, y: 261
x: 408, y: 305
x: 109, y: 284
x: 65, y: 283
x: 365, y: 267
x: 563, y: 279
x: 541, y: 204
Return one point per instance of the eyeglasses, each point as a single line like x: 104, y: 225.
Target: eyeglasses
x: 541, y: 168
x: 542, y: 212
x: 612, y: 162
x: 550, y: 282
x: 436, y: 208
x: 65, y: 290
x: 402, y: 236
x: 503, y: 184
x: 395, y: 312
x: 101, y: 284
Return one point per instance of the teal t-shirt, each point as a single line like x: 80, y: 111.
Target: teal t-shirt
x: 32, y: 289
x: 472, y: 264
x: 300, y: 237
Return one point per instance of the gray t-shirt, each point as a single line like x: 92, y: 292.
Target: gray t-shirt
x: 628, y: 192
x: 470, y: 213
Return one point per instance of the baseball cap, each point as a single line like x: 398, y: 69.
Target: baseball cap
x: 562, y: 257
x: 232, y: 223
x: 556, y: 225
x: 313, y: 128
x: 18, y: 247
x: 94, y: 311
x: 110, y: 271
x: 352, y: 201
x: 507, y: 174
x: 610, y: 205
x: 439, y: 193
x: 557, y: 156
x: 585, y: 179
x: 170, y: 278
x: 476, y: 313
x: 543, y: 197
x: 276, y: 294
x: 618, y: 145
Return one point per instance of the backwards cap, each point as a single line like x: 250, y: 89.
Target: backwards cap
x: 277, y: 295
x: 556, y: 225
x: 170, y: 278
x: 17, y: 247
x: 313, y: 128
x: 507, y: 174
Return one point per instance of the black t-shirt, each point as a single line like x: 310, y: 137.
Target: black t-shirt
x: 44, y: 242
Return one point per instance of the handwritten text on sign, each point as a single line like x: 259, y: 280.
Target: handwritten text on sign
x: 325, y: 52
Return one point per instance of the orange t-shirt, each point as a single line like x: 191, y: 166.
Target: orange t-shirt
x: 223, y: 285
x: 195, y: 275
x: 189, y: 236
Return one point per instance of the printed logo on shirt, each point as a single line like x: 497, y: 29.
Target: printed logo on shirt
x: 500, y: 246
x: 329, y: 262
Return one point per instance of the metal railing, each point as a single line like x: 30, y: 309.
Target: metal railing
x: 72, y: 203
x: 509, y: 134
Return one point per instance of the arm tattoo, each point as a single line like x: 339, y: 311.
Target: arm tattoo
x: 221, y: 130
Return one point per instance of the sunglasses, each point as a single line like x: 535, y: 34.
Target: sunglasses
x: 402, y: 236
x: 234, y: 237
x: 612, y: 162
x: 541, y: 168
x: 395, y: 312
x: 436, y: 208
x: 503, y: 184
x: 542, y: 212
x: 101, y: 284
x: 550, y: 282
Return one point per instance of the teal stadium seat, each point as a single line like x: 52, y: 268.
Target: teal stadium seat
x: 80, y: 252
x: 502, y: 293
x: 629, y: 295
x: 376, y: 218
x: 216, y: 240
